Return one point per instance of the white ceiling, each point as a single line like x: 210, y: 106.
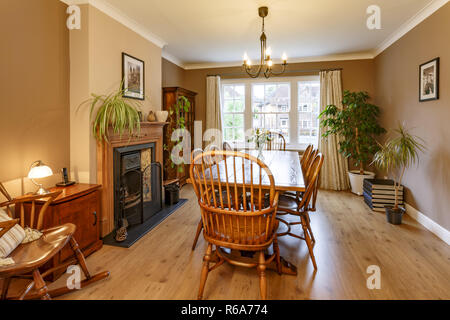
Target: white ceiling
x: 198, y: 33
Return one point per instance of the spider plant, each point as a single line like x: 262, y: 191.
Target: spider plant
x: 398, y: 154
x: 116, y: 112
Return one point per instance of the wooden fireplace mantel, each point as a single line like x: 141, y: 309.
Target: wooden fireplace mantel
x: 150, y: 132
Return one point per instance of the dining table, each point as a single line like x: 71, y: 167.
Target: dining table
x: 287, y: 173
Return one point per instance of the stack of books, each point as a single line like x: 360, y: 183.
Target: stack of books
x: 379, y: 193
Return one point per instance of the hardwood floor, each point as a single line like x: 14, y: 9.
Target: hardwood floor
x: 414, y: 263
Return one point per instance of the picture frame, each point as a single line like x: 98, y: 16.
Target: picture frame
x: 133, y: 77
x: 429, y: 80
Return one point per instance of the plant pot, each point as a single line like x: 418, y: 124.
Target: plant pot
x: 394, y: 216
x: 356, y: 180
x: 162, y: 116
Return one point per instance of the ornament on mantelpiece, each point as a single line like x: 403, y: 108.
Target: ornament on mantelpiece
x: 151, y: 117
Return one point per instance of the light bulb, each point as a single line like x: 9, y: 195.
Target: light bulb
x: 249, y: 62
x: 245, y: 58
x: 284, y: 57
x: 270, y: 63
x: 268, y: 52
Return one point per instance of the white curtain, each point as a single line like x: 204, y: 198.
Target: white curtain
x: 213, y: 111
x: 334, y: 171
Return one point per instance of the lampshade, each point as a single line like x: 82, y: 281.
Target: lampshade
x: 39, y: 170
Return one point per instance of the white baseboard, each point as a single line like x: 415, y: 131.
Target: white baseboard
x: 435, y: 228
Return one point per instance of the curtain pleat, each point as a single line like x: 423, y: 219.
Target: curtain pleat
x: 214, y: 109
x: 335, y: 167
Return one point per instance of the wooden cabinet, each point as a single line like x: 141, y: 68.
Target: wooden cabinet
x: 170, y: 97
x: 80, y: 205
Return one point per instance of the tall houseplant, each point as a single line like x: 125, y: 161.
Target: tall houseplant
x: 394, y: 157
x: 356, y: 126
x: 178, y: 121
x: 114, y: 111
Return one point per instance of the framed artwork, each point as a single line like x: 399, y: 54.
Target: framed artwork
x: 429, y: 80
x: 133, y: 75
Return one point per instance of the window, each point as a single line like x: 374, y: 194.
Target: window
x: 288, y: 105
x: 271, y: 106
x: 308, y: 111
x: 233, y: 112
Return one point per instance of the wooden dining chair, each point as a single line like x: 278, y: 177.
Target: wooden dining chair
x: 29, y: 257
x: 249, y: 227
x: 305, y: 155
x: 276, y: 142
x: 226, y: 146
x: 300, y: 207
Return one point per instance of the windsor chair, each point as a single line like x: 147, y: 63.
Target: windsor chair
x: 248, y: 226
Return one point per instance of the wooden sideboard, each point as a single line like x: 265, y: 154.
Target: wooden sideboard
x: 80, y: 205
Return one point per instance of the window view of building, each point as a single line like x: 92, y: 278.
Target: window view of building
x: 271, y: 106
x: 308, y: 111
x: 257, y: 103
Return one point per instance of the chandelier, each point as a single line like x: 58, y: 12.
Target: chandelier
x: 266, y: 63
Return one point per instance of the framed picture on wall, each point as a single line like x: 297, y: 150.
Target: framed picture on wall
x: 133, y: 75
x: 429, y: 80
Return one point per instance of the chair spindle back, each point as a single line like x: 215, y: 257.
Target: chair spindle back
x: 276, y: 142
x: 229, y: 187
x: 36, y: 217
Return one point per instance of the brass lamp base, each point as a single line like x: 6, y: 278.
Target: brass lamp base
x: 42, y: 191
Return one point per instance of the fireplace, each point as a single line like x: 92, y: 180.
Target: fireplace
x: 137, y: 185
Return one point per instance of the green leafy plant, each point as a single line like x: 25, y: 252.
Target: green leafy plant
x: 398, y: 154
x: 114, y: 111
x: 356, y: 126
x: 179, y: 122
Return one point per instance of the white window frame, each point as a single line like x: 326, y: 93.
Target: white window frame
x: 223, y: 113
x: 294, y: 144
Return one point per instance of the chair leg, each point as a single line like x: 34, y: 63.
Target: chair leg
x: 308, y: 224
x: 262, y: 275
x: 205, y: 271
x: 80, y: 257
x: 276, y: 249
x: 197, y: 234
x: 40, y: 285
x: 6, y: 282
x: 308, y: 240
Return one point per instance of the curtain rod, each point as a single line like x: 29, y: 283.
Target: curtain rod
x: 287, y: 71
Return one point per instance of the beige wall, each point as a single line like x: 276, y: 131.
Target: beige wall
x: 97, y: 48
x: 397, y: 87
x: 356, y: 75
x: 172, y: 75
x: 34, y: 86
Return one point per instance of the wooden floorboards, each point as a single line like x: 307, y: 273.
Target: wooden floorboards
x: 414, y: 263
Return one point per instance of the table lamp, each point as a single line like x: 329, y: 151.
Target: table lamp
x: 39, y: 170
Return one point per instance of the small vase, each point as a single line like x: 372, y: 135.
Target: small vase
x: 260, y: 154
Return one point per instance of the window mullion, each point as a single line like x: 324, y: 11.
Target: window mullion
x: 248, y: 107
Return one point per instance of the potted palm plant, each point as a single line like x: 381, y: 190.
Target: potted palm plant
x: 114, y: 111
x: 356, y: 126
x: 394, y: 157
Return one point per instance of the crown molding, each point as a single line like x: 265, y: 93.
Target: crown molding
x: 333, y: 57
x: 173, y: 59
x: 427, y: 11
x: 122, y: 18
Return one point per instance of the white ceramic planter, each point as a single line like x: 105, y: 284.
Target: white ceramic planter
x: 356, y: 180
x: 161, y: 116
